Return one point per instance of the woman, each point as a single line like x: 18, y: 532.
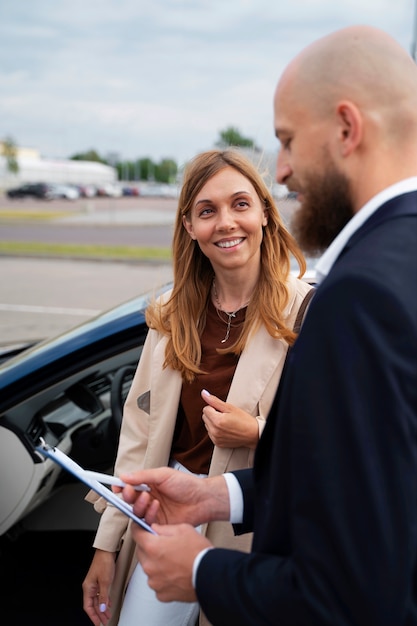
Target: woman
x: 225, y: 327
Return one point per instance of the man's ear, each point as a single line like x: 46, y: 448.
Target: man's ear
x: 351, y: 127
x: 188, y: 227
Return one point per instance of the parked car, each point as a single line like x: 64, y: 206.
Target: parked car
x: 158, y: 190
x: 41, y: 191
x: 109, y: 190
x: 67, y: 192
x: 130, y: 190
x: 70, y: 391
x: 87, y: 191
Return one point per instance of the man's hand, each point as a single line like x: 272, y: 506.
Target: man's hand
x: 176, y: 497
x: 167, y: 559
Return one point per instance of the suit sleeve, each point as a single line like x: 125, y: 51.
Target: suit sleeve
x: 347, y: 555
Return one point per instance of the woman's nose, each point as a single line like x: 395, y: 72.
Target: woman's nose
x: 225, y: 220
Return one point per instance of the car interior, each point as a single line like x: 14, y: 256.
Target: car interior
x: 81, y: 415
x: 46, y: 526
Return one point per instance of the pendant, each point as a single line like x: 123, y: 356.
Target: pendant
x: 229, y: 323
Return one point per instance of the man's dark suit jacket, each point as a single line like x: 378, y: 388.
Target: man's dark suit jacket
x: 332, y: 498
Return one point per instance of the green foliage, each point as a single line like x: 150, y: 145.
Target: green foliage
x: 145, y: 169
x: 140, y: 169
x: 231, y: 137
x: 90, y: 155
x: 9, y: 151
x: 85, y: 251
x: 166, y: 170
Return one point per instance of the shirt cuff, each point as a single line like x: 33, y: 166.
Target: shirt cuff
x: 235, y: 498
x: 236, y: 515
x: 197, y: 563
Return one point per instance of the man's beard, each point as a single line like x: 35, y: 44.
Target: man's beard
x: 325, y: 209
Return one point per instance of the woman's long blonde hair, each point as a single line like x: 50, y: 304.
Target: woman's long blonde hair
x: 182, y: 316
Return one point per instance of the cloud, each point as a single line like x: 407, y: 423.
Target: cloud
x: 160, y: 78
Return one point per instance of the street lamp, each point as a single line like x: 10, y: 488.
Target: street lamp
x: 414, y: 42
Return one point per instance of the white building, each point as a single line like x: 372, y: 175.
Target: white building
x: 34, y: 169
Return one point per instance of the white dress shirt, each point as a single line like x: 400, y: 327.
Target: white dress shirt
x: 326, y: 261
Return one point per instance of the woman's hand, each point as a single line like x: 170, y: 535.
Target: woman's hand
x: 227, y: 425
x: 96, y: 587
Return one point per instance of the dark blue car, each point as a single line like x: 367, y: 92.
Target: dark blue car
x: 70, y: 391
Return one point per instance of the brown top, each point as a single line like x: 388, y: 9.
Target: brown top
x: 191, y: 444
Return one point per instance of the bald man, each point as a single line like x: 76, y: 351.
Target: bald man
x: 332, y: 498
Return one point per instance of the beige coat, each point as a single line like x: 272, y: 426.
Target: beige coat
x: 147, y: 432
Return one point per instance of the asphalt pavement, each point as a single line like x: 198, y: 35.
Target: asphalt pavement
x: 101, y: 221
x: 42, y: 297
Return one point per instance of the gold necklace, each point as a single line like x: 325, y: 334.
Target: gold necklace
x: 230, y: 315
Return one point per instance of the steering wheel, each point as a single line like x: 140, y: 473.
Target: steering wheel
x: 118, y: 396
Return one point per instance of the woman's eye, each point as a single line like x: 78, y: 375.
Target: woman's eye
x: 206, y: 211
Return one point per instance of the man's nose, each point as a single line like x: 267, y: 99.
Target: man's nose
x: 283, y: 171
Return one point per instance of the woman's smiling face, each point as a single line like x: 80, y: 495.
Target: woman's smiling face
x: 226, y: 220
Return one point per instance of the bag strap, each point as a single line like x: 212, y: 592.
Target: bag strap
x: 302, y: 309
x: 300, y: 316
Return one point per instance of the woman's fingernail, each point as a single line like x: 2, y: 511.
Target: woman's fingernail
x: 205, y: 392
x: 103, y: 607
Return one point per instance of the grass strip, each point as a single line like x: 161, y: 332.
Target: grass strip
x: 34, y: 216
x: 131, y: 253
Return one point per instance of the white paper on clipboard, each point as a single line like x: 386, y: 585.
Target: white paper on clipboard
x: 71, y: 466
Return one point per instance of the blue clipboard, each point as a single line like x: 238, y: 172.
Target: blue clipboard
x: 71, y: 466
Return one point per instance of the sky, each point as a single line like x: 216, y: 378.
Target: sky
x: 160, y: 78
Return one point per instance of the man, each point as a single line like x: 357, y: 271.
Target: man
x: 332, y: 498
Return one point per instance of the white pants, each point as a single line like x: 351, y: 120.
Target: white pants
x: 142, y: 607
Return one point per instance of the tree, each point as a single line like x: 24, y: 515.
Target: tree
x: 231, y: 137
x: 9, y: 151
x: 90, y: 155
x: 166, y: 171
x: 145, y: 169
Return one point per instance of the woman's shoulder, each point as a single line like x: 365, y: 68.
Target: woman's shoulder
x: 156, y: 312
x: 161, y: 298
x: 299, y: 287
x: 165, y: 296
x: 297, y: 291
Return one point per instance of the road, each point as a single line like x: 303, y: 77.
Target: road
x: 40, y: 298
x: 95, y: 234
x: 105, y: 221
